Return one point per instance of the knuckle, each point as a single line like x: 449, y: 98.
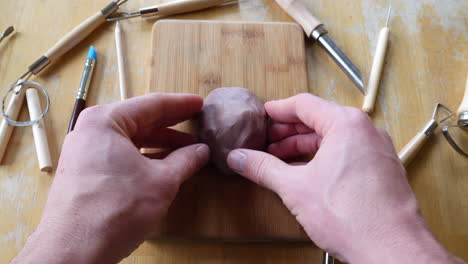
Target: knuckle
x: 356, y: 117
x: 92, y: 116
x: 260, y: 170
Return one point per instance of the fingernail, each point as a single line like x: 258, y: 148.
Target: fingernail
x: 203, y: 151
x: 237, y: 161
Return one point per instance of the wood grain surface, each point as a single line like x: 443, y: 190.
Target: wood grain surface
x: 197, y: 57
x: 426, y: 63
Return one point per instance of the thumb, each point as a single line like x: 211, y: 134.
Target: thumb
x: 186, y: 161
x: 260, y: 167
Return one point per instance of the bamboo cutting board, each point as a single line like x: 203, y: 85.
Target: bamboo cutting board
x: 197, y: 57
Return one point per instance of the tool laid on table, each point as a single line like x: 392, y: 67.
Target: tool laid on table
x: 377, y: 66
x: 412, y: 148
x: 64, y: 45
x: 120, y: 61
x: 84, y: 87
x: 171, y: 8
x: 458, y: 138
x: 7, y: 32
x: 298, y: 10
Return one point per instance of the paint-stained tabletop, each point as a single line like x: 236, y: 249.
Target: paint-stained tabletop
x: 427, y: 63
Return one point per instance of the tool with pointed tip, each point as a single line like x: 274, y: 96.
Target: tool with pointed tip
x: 7, y: 32
x: 377, y: 66
x: 415, y: 144
x: 461, y: 124
x: 171, y: 8
x: 298, y: 10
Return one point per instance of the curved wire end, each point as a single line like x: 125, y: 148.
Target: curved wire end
x: 448, y: 137
x: 437, y: 111
x: 123, y: 15
x: 121, y: 2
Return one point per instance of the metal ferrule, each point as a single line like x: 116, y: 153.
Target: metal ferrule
x: 149, y: 11
x: 463, y: 120
x: 109, y: 9
x: 318, y: 32
x: 38, y: 65
x: 430, y: 127
x: 86, y: 79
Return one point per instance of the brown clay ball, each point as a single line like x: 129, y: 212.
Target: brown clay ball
x: 232, y: 118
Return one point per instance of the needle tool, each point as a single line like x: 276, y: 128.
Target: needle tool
x: 120, y: 61
x: 313, y: 28
x: 441, y: 114
x: 377, y: 66
x: 171, y: 8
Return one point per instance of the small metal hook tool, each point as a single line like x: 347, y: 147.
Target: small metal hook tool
x: 170, y: 8
x: 412, y: 148
x: 461, y: 124
x: 7, y: 32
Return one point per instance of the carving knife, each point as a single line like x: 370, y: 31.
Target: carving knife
x: 313, y: 28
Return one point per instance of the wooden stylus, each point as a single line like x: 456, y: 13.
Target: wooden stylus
x: 39, y: 132
x: 12, y: 110
x: 377, y: 66
x: 120, y: 61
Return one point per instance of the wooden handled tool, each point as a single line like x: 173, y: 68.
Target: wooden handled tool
x: 74, y: 37
x: 412, y: 148
x: 377, y: 66
x: 120, y: 61
x: 313, y: 28
x: 172, y: 8
x: 13, y: 109
x: 39, y: 132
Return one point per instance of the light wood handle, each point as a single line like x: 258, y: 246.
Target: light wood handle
x: 185, y: 6
x: 376, y: 71
x: 39, y: 133
x: 75, y: 36
x: 298, y: 10
x: 464, y: 104
x: 121, y: 62
x: 412, y: 148
x: 12, y: 110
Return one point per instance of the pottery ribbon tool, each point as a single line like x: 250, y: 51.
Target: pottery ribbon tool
x: 461, y: 126
x: 377, y: 66
x: 64, y: 45
x: 171, y: 8
x: 298, y: 10
x: 412, y: 148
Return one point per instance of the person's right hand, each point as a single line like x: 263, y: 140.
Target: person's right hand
x: 352, y: 198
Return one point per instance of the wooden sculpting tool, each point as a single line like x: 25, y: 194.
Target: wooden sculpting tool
x: 7, y: 32
x: 120, y: 61
x: 84, y: 87
x: 298, y: 10
x: 171, y: 8
x: 13, y: 109
x: 377, y: 66
x: 412, y: 148
x: 462, y: 123
x: 39, y: 132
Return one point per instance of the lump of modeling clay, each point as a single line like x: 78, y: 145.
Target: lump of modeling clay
x: 232, y: 118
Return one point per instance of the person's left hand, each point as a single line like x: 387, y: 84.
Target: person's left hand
x: 106, y: 197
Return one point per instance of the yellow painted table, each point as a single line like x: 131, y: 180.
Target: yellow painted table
x: 426, y: 63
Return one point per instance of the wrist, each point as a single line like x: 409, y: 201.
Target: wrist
x: 411, y: 243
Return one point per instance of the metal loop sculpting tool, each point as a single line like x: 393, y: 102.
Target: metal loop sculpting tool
x: 441, y: 114
x: 313, y: 28
x: 65, y: 44
x: 171, y: 8
x: 7, y: 32
x: 462, y: 126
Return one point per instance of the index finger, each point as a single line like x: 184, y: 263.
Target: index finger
x: 142, y: 115
x: 315, y: 112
